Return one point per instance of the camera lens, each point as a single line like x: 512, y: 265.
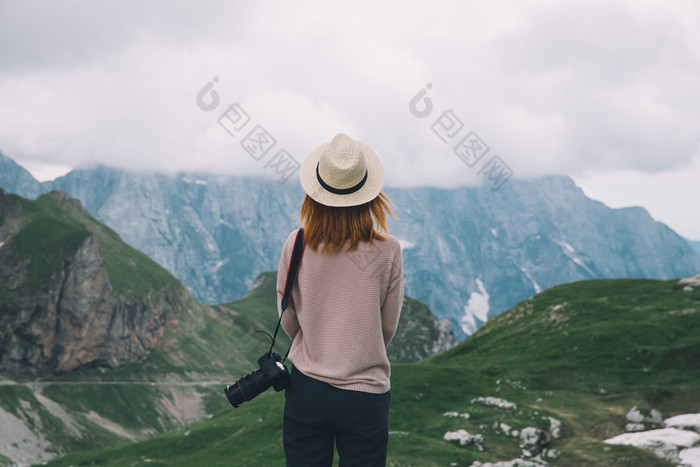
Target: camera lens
x: 247, y: 388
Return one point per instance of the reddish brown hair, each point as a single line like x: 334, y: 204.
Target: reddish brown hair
x: 335, y: 226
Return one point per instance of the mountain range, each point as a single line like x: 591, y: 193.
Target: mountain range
x: 469, y: 252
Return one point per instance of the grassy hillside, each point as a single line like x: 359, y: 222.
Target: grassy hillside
x: 209, y: 345
x: 178, y: 383
x: 581, y: 353
x: 202, y: 347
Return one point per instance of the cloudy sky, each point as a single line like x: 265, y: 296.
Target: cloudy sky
x: 607, y: 92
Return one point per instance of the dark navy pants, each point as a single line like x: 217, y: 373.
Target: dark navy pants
x: 317, y: 414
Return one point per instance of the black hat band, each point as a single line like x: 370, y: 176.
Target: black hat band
x: 340, y: 191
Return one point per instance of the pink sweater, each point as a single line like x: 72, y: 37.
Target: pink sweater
x: 343, y: 313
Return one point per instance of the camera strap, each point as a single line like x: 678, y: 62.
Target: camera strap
x: 292, y: 273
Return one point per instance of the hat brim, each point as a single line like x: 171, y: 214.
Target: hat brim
x: 369, y: 191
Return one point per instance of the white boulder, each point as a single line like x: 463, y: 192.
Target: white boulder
x: 495, y: 402
x: 665, y: 443
x: 688, y: 421
x: 533, y: 441
x: 465, y: 438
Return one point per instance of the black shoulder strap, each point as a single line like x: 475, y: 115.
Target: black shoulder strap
x: 293, y: 271
x: 292, y: 274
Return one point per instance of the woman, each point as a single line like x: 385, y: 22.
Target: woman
x: 344, y: 311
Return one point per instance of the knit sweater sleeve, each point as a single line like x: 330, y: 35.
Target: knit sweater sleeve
x: 290, y: 323
x: 393, y: 301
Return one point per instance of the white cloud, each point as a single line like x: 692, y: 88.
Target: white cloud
x: 574, y: 87
x: 670, y: 196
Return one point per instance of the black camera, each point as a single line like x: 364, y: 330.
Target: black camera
x: 272, y: 372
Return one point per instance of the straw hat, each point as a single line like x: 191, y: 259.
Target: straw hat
x: 342, y: 173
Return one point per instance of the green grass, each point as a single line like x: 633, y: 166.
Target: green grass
x: 129, y: 405
x: 56, y: 226
x: 21, y: 402
x: 46, y: 240
x: 612, y: 345
x: 606, y: 335
x: 257, y: 311
x: 251, y: 435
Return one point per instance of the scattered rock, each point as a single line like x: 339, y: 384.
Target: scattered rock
x: 533, y: 441
x: 495, y: 402
x: 638, y: 421
x: 505, y: 428
x: 689, y: 421
x: 665, y: 443
x: 691, y: 280
x: 456, y: 414
x: 513, y: 463
x: 634, y: 427
x: 465, y: 438
x: 554, y: 427
x: 690, y: 457
x: 634, y: 415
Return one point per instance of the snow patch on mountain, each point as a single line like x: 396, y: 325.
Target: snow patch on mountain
x: 571, y: 253
x: 537, y: 287
x: 568, y: 248
x: 219, y: 263
x: 477, y: 309
x: 195, y: 181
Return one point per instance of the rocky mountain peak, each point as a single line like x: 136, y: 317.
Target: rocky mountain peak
x: 59, y: 308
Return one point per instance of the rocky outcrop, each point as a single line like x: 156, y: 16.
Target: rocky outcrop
x: 419, y: 334
x: 79, y: 321
x: 58, y: 309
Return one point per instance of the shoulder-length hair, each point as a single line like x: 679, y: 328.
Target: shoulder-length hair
x: 336, y: 226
